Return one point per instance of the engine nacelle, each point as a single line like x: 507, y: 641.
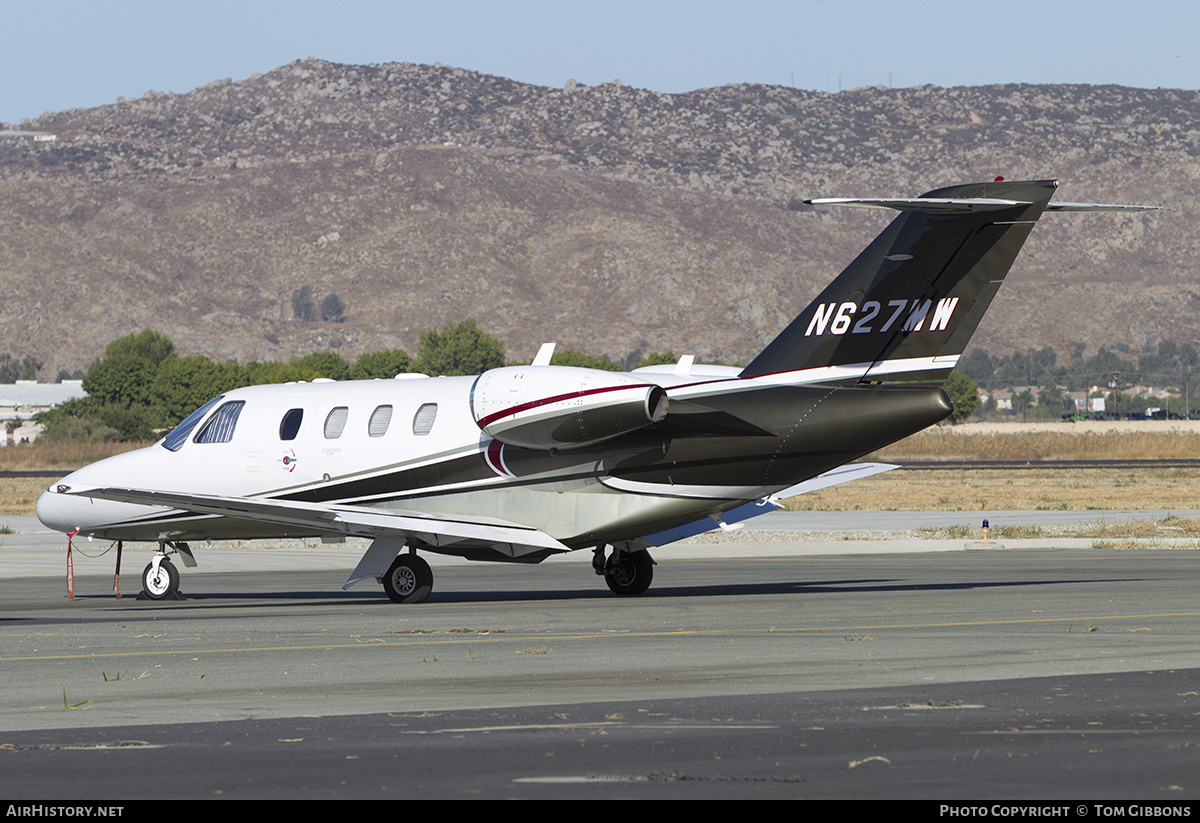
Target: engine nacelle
x: 563, y: 407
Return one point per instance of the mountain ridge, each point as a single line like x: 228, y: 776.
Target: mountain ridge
x: 607, y: 218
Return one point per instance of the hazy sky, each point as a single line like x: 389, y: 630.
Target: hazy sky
x: 71, y: 53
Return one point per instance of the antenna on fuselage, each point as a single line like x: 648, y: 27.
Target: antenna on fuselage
x: 544, y: 354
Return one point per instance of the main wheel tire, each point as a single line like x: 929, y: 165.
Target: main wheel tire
x: 629, y: 573
x: 409, y: 580
x: 162, y: 585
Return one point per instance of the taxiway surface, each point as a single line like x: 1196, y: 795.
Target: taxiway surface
x: 1040, y: 670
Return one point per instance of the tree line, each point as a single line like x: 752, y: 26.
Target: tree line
x: 1041, y: 380
x: 1166, y: 365
x: 142, y: 386
x: 12, y: 370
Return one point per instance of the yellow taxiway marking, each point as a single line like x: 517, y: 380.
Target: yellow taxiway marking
x: 607, y: 635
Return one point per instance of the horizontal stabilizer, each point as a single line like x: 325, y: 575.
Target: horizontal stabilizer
x: 927, y: 205
x: 1115, y: 207
x: 952, y: 205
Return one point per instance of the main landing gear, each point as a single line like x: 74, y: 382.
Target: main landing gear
x: 626, y: 573
x: 408, y: 580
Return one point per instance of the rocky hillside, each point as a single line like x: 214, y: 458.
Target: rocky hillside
x: 607, y: 218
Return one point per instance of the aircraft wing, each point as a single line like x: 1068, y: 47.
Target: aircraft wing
x: 735, y: 518
x: 508, y: 538
x: 834, y: 477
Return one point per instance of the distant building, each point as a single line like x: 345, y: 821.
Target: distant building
x: 38, y: 136
x: 25, y: 398
x: 23, y: 434
x: 1002, y: 398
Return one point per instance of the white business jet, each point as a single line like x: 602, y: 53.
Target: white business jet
x: 525, y: 462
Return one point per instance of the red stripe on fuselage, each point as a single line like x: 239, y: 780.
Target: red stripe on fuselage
x: 533, y: 404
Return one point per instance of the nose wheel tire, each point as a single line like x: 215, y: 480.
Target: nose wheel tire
x: 409, y: 580
x: 161, y: 584
x: 629, y: 573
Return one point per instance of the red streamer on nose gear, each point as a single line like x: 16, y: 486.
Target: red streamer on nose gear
x: 117, y: 577
x: 71, y: 566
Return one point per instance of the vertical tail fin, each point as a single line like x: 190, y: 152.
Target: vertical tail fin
x: 907, y: 305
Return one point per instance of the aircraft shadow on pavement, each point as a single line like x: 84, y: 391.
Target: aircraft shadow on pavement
x: 310, y: 598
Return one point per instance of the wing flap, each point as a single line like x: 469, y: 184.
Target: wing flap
x: 512, y: 539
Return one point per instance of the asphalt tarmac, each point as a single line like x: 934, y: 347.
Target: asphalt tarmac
x: 833, y: 669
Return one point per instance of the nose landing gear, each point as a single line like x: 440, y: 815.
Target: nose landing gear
x: 160, y: 579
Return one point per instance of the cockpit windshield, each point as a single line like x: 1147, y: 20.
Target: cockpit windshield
x: 179, y: 434
x: 219, y: 428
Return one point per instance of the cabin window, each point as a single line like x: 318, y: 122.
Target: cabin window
x: 290, y: 426
x: 423, y: 420
x: 380, y: 419
x: 335, y: 422
x: 179, y: 434
x: 219, y: 428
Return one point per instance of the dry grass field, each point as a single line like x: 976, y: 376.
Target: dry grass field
x: 1010, y: 489
x: 1028, y: 487
x: 1146, y: 440
x: 55, y: 457
x: 18, y: 495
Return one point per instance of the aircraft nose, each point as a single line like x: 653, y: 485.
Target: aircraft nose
x: 50, y: 511
x: 67, y: 506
